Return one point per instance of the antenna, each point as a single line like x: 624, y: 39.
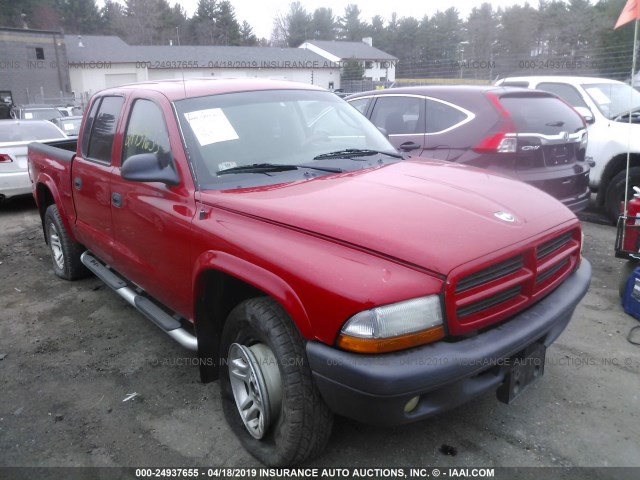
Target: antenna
x: 184, y: 85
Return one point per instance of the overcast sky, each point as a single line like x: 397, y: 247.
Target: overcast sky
x: 260, y: 13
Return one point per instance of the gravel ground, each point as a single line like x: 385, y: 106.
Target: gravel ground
x: 72, y: 353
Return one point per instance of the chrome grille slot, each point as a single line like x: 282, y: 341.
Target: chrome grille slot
x: 493, y: 272
x: 489, y: 302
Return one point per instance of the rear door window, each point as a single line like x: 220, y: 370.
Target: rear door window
x: 103, y: 129
x: 541, y: 115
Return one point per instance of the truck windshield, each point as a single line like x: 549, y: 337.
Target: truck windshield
x: 274, y: 127
x: 613, y: 99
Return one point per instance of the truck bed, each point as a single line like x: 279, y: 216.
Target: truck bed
x: 63, y: 150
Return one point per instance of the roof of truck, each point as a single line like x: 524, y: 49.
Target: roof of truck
x: 178, y: 89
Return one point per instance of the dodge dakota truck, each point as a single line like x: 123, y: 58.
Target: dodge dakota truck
x: 273, y: 229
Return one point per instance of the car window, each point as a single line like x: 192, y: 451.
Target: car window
x: 566, y: 92
x: 41, y: 114
x: 542, y: 115
x: 146, y: 132
x: 279, y: 127
x: 27, y: 131
x: 70, y: 126
x: 399, y: 115
x: 515, y: 83
x: 613, y: 99
x: 359, y: 104
x: 441, y: 116
x: 103, y: 129
x: 324, y: 120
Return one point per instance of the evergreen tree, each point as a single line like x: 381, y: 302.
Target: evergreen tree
x: 350, y: 27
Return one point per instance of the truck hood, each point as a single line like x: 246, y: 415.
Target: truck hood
x: 434, y: 215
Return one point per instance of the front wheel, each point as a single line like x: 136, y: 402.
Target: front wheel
x: 268, y: 395
x: 65, y: 253
x: 615, y: 192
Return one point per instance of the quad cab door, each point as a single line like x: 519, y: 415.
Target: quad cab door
x: 152, y: 220
x: 92, y: 170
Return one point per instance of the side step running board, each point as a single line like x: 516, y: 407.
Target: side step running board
x: 162, y: 319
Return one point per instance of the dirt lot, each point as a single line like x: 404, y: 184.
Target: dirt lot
x: 70, y: 353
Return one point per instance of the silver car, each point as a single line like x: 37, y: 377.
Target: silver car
x: 15, y: 135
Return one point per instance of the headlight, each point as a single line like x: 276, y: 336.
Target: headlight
x: 394, y: 327
x: 584, y: 141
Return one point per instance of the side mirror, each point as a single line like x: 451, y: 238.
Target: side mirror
x: 586, y: 114
x: 148, y: 167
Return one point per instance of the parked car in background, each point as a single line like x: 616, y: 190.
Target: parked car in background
x: 15, y: 135
x: 35, y: 112
x: 606, y: 105
x: 70, y: 110
x: 69, y: 125
x: 532, y: 136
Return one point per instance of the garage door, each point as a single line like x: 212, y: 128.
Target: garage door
x: 117, y: 79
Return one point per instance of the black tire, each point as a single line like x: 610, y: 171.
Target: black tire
x: 628, y: 268
x: 615, y: 192
x: 301, y: 426
x: 65, y: 253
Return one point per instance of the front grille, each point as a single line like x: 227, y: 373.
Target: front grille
x: 491, y: 273
x: 547, y: 274
x: 553, y: 245
x: 476, y: 299
x: 489, y: 302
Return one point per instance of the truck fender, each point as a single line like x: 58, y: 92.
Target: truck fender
x: 209, y: 329
x: 46, y: 183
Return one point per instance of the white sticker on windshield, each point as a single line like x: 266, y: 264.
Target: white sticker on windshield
x: 68, y: 126
x: 598, y: 96
x: 226, y: 165
x: 28, y: 115
x: 211, y: 126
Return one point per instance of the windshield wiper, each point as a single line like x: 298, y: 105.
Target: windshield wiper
x: 272, y: 167
x: 355, y: 152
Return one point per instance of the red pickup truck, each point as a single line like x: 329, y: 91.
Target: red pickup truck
x: 274, y: 230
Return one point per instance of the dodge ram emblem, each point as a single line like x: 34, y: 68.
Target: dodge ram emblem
x: 504, y: 216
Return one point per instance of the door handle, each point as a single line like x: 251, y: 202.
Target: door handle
x: 408, y: 146
x: 116, y: 199
x: 77, y: 183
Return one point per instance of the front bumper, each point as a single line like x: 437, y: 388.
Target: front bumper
x: 375, y: 388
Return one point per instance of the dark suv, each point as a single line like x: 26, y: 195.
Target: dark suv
x: 529, y: 135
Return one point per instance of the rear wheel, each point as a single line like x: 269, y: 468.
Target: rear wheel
x: 269, y: 398
x: 65, y: 253
x: 615, y: 192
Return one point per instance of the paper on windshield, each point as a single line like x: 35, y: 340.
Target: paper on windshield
x: 211, y: 126
x: 68, y: 126
x: 598, y: 96
x: 28, y: 115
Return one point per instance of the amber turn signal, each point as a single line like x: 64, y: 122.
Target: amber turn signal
x: 383, y: 345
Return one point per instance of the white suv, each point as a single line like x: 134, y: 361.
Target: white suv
x: 605, y: 105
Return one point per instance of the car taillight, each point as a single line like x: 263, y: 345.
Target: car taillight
x: 4, y: 158
x: 504, y: 140
x: 498, y: 143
